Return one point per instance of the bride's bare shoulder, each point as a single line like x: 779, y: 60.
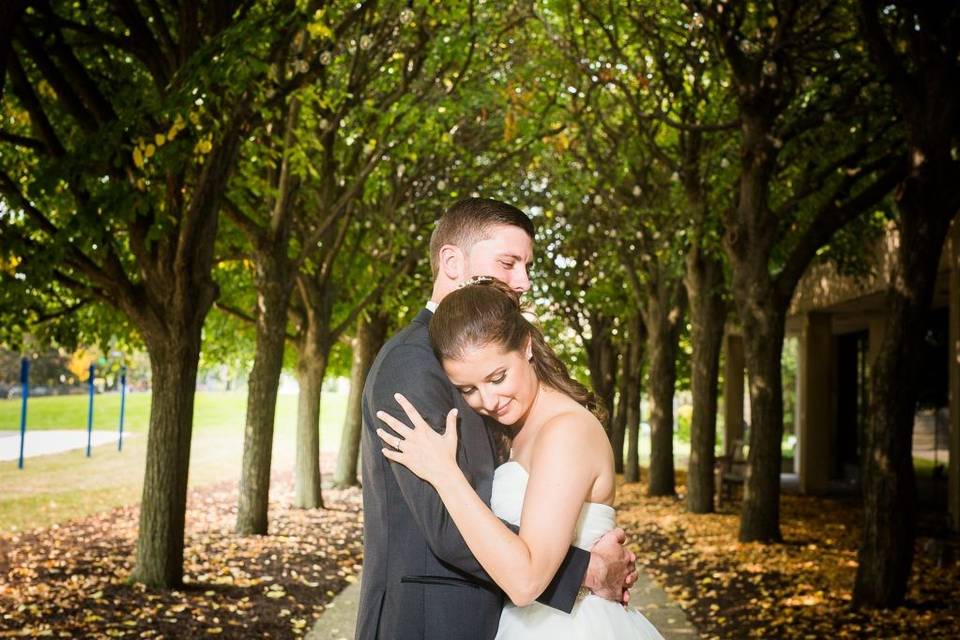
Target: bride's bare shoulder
x: 572, y: 425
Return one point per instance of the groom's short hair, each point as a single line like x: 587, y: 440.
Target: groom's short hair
x: 470, y: 221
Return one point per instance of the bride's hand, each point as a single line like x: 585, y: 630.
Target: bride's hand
x: 425, y: 452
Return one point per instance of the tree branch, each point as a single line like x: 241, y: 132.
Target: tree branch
x: 833, y: 215
x: 22, y: 141
x: 236, y: 313
x: 38, y: 117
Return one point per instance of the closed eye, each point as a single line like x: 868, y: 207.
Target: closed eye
x: 466, y: 390
x: 499, y: 379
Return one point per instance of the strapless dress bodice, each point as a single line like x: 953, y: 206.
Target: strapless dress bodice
x: 592, y: 618
x: 509, y: 488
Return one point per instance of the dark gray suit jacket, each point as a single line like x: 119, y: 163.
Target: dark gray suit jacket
x: 420, y: 580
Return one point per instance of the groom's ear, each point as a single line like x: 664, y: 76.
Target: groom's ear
x: 452, y: 262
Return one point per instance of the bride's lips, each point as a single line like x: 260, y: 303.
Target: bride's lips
x: 501, y: 410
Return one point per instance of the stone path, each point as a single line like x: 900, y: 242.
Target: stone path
x: 338, y: 621
x: 41, y: 443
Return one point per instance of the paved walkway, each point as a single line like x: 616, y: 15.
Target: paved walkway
x: 41, y: 443
x: 338, y: 621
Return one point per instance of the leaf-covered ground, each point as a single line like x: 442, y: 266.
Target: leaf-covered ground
x: 69, y: 580
x: 799, y: 589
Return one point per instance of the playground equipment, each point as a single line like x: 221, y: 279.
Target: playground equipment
x: 25, y: 383
x: 93, y: 389
x: 123, y: 402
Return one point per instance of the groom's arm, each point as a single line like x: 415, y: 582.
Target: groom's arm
x: 427, y: 388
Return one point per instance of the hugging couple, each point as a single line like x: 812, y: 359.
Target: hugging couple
x: 456, y: 547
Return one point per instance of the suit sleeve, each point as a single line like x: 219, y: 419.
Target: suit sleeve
x: 414, y: 372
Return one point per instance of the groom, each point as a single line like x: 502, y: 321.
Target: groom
x: 420, y: 580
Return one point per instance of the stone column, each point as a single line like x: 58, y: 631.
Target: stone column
x: 733, y: 367
x: 953, y: 473
x: 815, y: 414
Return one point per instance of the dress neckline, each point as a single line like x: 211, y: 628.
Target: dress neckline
x: 527, y: 474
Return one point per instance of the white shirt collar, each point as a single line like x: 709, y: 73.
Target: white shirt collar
x: 432, y: 306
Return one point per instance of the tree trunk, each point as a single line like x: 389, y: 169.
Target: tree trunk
x: 274, y: 283
x: 664, y: 320
x: 763, y: 346
x: 889, y: 492
x: 631, y: 470
x: 169, y: 310
x: 174, y: 357
x: 602, y: 364
x: 311, y: 370
x: 632, y: 401
x: 618, y: 425
x: 371, y: 334
x: 704, y: 281
x: 273, y: 298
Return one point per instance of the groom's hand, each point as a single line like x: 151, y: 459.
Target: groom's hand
x: 612, y: 569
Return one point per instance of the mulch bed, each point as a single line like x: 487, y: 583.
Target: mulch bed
x: 801, y: 588
x: 70, y: 580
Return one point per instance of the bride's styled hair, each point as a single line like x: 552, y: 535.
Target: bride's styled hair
x: 489, y: 312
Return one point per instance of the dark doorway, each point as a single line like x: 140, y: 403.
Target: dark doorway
x: 852, y: 390
x: 931, y: 425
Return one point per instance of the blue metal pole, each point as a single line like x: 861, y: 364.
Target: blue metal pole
x: 25, y: 381
x: 123, y: 402
x: 93, y: 370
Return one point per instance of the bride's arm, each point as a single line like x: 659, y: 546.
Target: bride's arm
x: 561, y: 478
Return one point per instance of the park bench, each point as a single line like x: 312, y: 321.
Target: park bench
x: 729, y: 471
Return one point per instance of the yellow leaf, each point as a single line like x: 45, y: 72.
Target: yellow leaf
x: 160, y: 139
x: 150, y: 150
x: 509, y: 127
x: 318, y: 27
x: 79, y: 366
x: 10, y: 265
x: 138, y: 158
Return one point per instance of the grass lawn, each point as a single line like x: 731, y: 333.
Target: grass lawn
x: 59, y: 487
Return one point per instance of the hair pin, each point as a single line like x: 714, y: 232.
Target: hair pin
x: 475, y: 280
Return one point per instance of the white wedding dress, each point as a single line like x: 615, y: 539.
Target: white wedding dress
x: 592, y: 617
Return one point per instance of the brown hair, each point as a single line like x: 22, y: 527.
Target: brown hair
x: 489, y: 312
x: 470, y: 221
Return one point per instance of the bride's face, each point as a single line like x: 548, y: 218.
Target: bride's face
x: 495, y: 382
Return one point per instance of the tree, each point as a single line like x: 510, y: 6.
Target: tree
x: 127, y: 133
x: 915, y: 47
x: 370, y: 335
x: 633, y: 360
x: 813, y: 156
x: 268, y: 202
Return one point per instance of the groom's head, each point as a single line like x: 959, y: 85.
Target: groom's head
x: 481, y: 237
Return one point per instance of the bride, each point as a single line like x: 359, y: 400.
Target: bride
x: 559, y: 483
